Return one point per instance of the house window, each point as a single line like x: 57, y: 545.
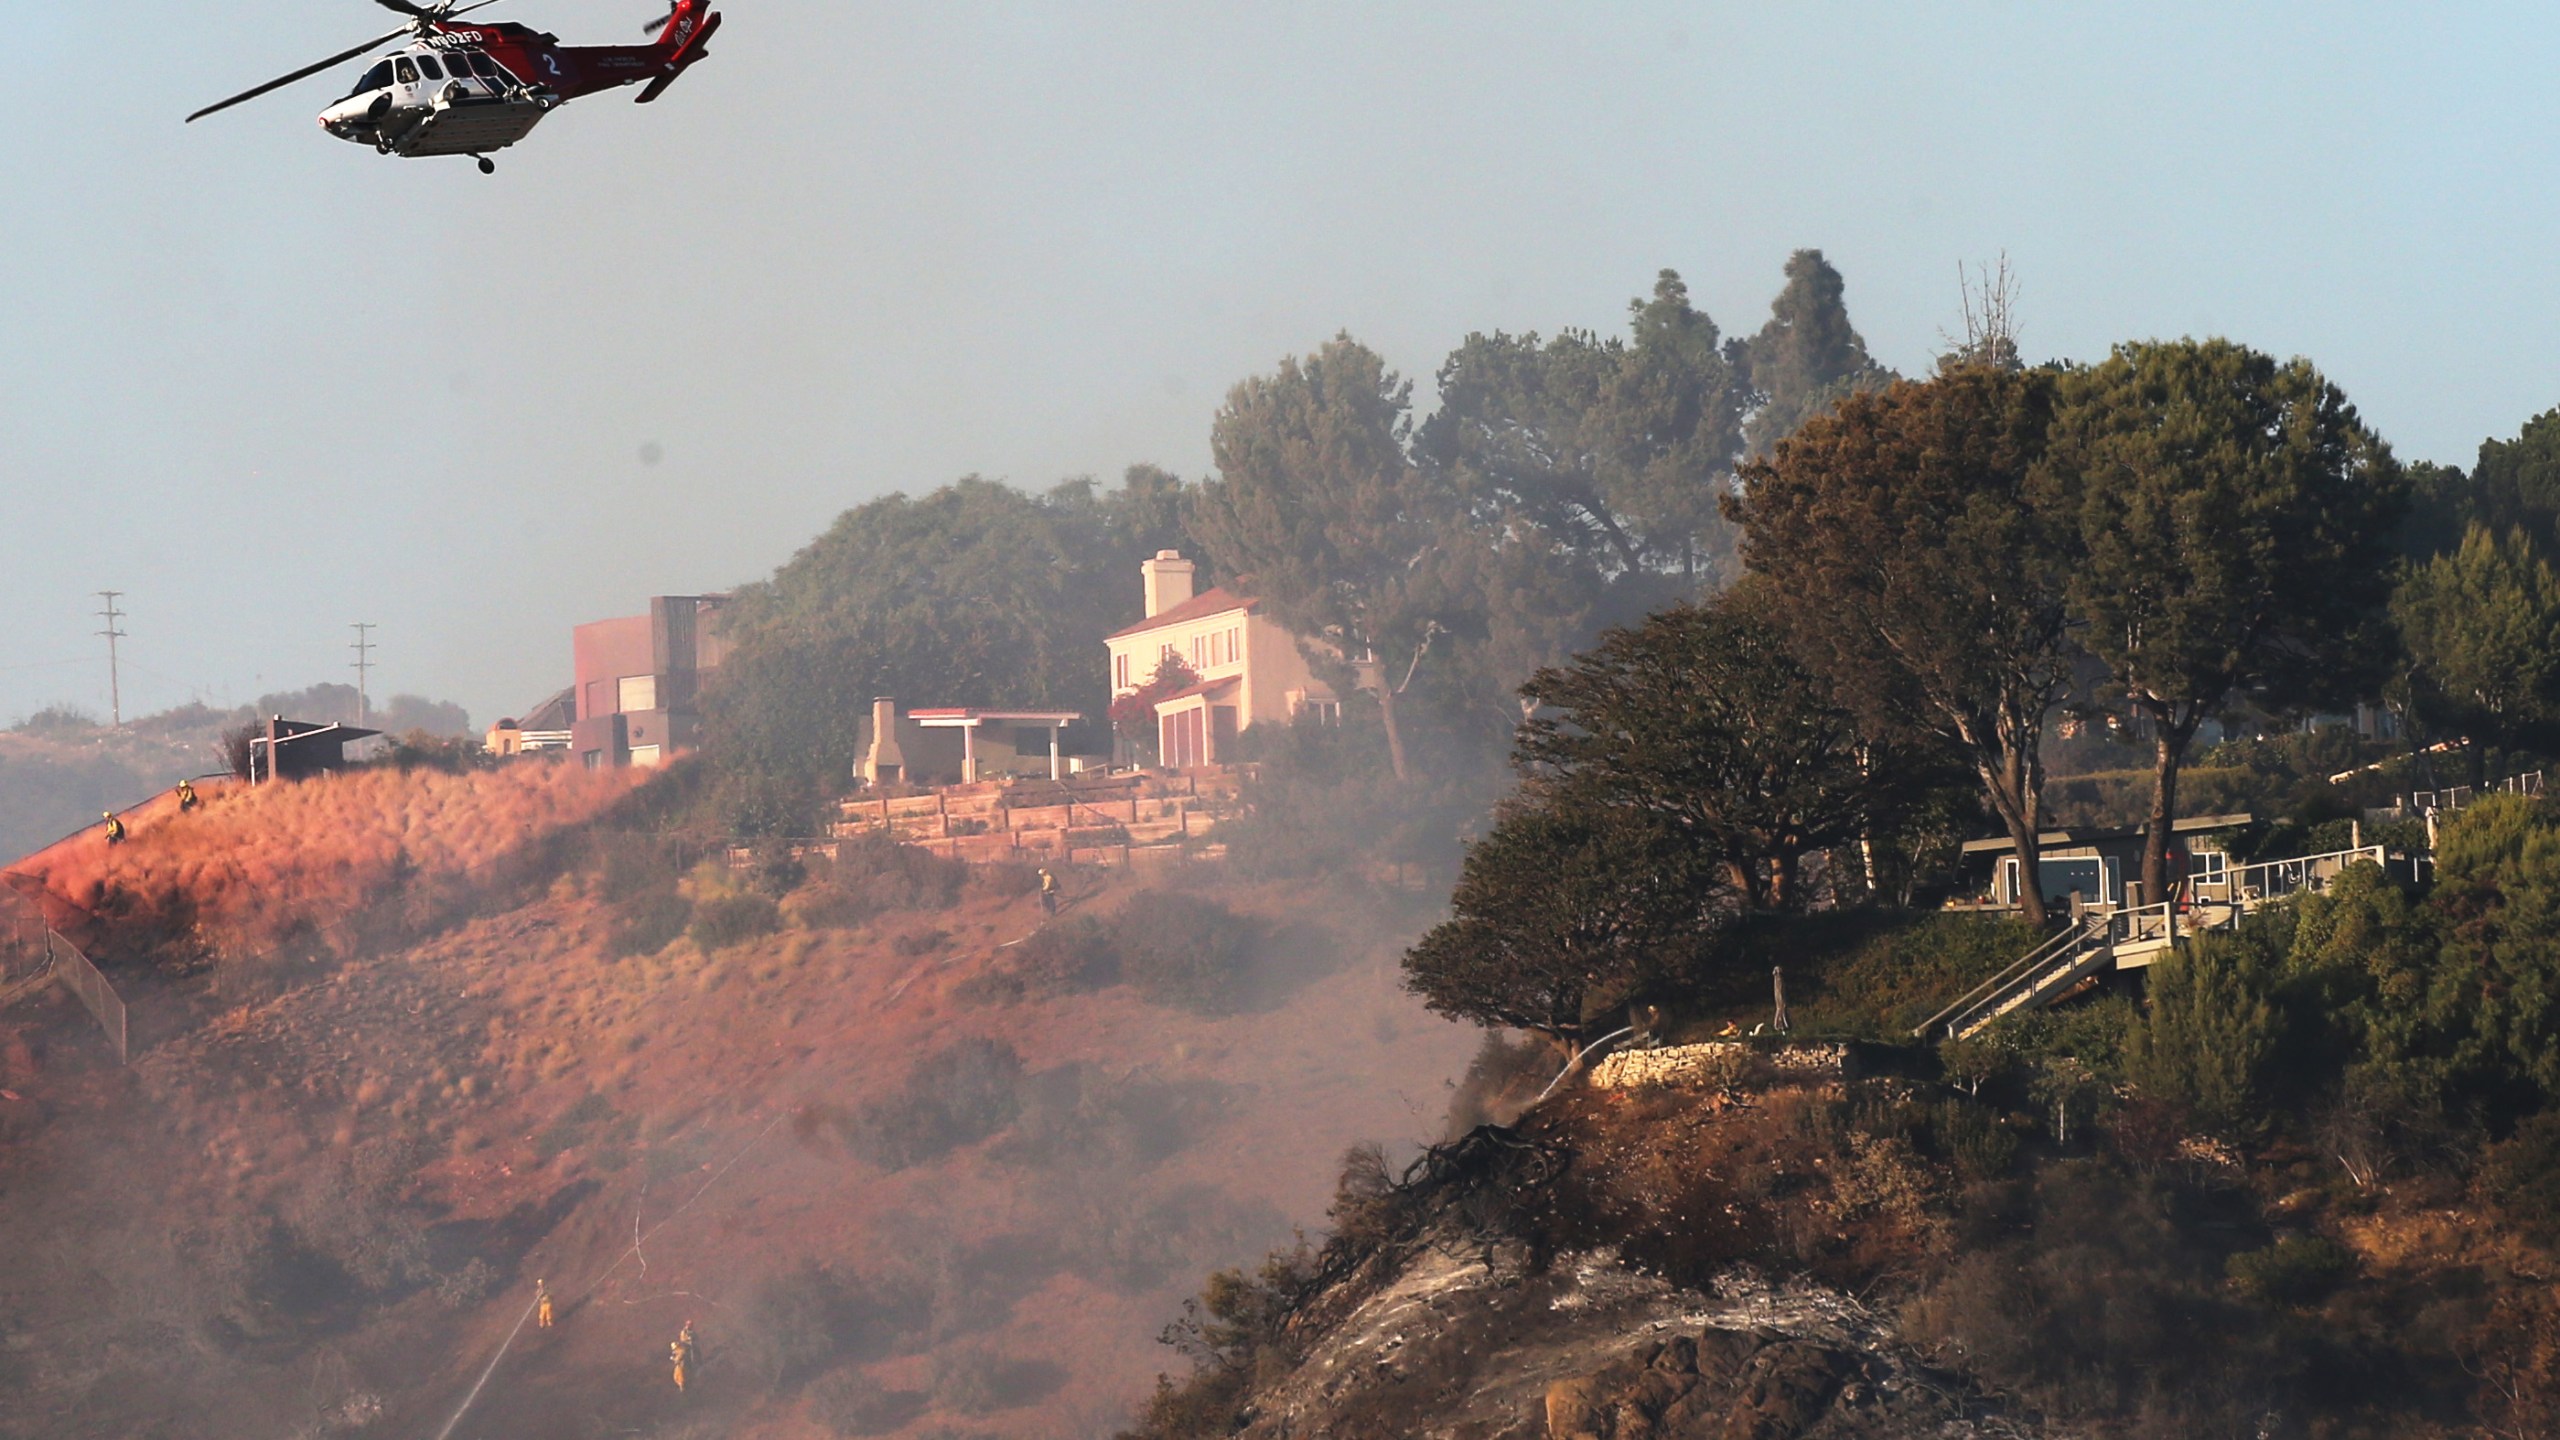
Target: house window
x: 1235, y: 646
x: 1323, y: 712
x: 645, y: 756
x: 1120, y: 672
x: 636, y: 693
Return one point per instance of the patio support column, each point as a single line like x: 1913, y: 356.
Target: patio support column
x: 969, y: 754
x: 1055, y: 771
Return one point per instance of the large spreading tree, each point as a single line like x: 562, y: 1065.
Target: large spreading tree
x: 1317, y: 500
x: 1925, y: 569
x: 1562, y: 911
x: 1703, y: 721
x: 2235, y: 525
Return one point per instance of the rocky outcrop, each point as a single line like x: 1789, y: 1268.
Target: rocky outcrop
x: 1717, y: 1385
x: 1456, y: 1345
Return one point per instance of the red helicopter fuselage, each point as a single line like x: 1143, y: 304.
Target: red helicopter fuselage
x: 572, y: 71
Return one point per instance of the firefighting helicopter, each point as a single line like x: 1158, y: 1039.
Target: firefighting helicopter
x: 469, y: 89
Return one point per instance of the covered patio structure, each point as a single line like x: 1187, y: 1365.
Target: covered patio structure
x: 969, y: 721
x: 2101, y: 865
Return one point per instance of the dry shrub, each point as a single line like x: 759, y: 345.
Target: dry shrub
x: 876, y: 875
x: 799, y: 1321
x: 2101, y: 1299
x: 979, y: 1380
x: 2522, y: 1178
x: 2296, y: 1270
x: 647, y: 923
x: 349, y: 1215
x: 723, y: 920
x: 1082, y: 1115
x: 919, y: 942
x: 1185, y: 950
x: 956, y: 1096
x: 1067, y: 957
x: 848, y: 1402
x: 1137, y: 1247
x: 251, y: 867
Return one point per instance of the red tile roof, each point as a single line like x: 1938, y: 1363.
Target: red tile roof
x: 1216, y: 600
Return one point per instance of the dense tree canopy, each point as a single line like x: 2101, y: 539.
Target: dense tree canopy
x: 1926, y: 567
x: 2235, y: 520
x: 2481, y: 628
x: 1560, y: 912
x: 975, y: 594
x: 1317, y: 500
x: 1703, y: 720
x: 1619, y: 449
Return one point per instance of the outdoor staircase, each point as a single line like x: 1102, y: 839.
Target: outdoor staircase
x: 2102, y: 938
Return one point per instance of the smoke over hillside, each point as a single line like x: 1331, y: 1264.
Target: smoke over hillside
x: 906, y: 1172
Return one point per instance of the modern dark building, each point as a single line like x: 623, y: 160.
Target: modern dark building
x: 638, y: 684
x: 299, y: 749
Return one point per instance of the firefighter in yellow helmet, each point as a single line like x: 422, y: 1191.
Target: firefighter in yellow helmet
x: 186, y: 795
x: 681, y: 1352
x: 115, y: 827
x: 1048, y: 891
x: 542, y: 1304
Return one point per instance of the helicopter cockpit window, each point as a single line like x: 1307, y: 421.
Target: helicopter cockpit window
x: 428, y: 64
x: 488, y: 66
x: 403, y: 71
x: 374, y: 79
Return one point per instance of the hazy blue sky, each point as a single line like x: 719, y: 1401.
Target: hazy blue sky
x: 268, y: 383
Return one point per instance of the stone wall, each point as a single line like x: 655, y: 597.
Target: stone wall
x: 1717, y: 1062
x: 1103, y: 820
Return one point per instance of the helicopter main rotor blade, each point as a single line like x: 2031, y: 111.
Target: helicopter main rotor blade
x: 406, y: 8
x: 340, y: 58
x: 305, y: 72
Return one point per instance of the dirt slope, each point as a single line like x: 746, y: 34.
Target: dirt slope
x: 321, y: 1208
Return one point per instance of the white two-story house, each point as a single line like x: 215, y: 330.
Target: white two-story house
x: 1249, y: 667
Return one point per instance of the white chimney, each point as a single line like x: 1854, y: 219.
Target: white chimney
x: 1168, y: 581
x: 885, y: 763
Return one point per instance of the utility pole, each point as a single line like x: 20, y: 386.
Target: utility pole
x: 115, y: 675
x: 362, y: 665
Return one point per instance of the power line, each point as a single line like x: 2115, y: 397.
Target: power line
x: 362, y: 665
x: 115, y: 677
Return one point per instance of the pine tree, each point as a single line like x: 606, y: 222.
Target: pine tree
x: 1925, y: 568
x: 2482, y: 630
x: 2235, y: 524
x: 1808, y: 355
x: 1318, y: 502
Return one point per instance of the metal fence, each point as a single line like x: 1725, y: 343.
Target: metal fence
x: 94, y: 991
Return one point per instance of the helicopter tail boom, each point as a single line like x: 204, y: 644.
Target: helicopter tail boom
x: 689, y: 28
